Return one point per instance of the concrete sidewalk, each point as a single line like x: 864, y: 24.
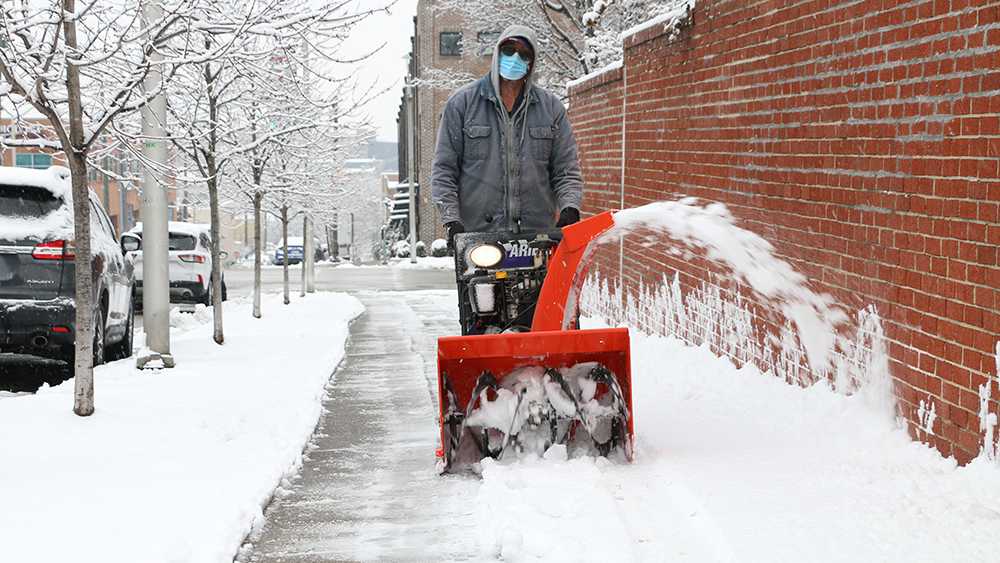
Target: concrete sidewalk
x: 368, y: 489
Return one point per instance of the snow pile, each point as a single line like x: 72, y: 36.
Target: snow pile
x: 987, y: 419
x: 175, y: 465
x: 733, y: 466
x: 182, y: 321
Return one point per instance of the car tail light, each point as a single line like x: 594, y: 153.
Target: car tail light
x: 59, y: 329
x: 194, y: 258
x: 201, y: 280
x: 54, y: 250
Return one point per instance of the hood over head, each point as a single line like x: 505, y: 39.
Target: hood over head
x: 528, y: 35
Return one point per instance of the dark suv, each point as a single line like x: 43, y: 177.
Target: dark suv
x: 37, y: 305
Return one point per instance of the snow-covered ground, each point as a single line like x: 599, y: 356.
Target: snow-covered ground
x: 734, y: 465
x: 175, y: 465
x: 425, y: 263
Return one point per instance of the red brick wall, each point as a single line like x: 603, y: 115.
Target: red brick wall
x: 861, y: 138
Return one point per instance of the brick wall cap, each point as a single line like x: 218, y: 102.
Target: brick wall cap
x: 600, y: 77
x: 666, y: 23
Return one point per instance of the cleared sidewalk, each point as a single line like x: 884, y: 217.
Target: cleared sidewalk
x: 368, y: 489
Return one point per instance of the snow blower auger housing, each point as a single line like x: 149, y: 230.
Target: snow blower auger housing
x: 507, y: 387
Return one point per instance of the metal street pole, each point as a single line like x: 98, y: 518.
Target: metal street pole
x: 122, y: 205
x: 310, y: 257
x: 155, y: 280
x: 355, y: 257
x: 305, y: 253
x: 411, y: 168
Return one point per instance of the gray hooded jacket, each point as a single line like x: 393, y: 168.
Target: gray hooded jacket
x: 497, y: 172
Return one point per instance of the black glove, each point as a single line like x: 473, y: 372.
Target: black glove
x: 568, y: 216
x: 454, y: 228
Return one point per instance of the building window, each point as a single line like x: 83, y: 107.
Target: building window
x: 451, y: 43
x: 40, y: 161
x: 487, y: 41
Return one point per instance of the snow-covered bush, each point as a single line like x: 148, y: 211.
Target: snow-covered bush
x: 439, y: 248
x: 421, y: 249
x: 401, y: 249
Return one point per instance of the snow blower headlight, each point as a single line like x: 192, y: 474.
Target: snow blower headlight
x: 485, y: 256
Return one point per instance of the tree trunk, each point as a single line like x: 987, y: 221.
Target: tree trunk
x: 86, y: 307
x: 284, y: 243
x: 216, y: 280
x: 83, y: 362
x: 305, y: 251
x: 258, y: 198
x: 211, y: 166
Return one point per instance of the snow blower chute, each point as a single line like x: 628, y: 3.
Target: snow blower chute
x: 507, y: 387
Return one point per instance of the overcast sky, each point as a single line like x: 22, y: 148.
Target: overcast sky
x: 387, y: 68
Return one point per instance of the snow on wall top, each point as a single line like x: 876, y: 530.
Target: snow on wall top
x: 671, y: 19
x: 668, y: 19
x: 577, y: 81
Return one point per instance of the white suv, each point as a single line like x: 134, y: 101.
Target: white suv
x: 190, y: 262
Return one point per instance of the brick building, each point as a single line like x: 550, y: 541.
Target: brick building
x: 447, y: 53
x: 861, y: 139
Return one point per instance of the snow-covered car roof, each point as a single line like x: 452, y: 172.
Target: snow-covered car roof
x: 57, y: 224
x: 292, y: 241
x: 55, y: 179
x: 179, y: 227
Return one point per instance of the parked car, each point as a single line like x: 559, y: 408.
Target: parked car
x: 295, y: 251
x: 189, y: 266
x: 37, y: 270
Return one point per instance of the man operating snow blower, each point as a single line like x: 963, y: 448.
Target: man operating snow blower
x: 507, y: 182
x: 506, y: 158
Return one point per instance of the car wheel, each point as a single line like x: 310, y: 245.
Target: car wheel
x: 99, y: 337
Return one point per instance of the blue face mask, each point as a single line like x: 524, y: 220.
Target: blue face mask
x: 513, y: 67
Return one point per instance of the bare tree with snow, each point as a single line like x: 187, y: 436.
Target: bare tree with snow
x: 81, y: 65
x: 272, y: 82
x: 577, y: 36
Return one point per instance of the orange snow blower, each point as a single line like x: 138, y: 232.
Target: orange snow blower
x: 507, y: 387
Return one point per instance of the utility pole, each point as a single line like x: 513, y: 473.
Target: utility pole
x: 411, y: 168
x: 155, y: 278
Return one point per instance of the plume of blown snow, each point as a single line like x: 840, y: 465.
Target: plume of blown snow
x: 751, y: 259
